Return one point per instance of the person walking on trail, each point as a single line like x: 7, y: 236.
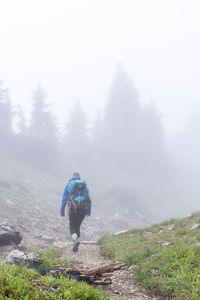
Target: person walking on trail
x: 76, y: 197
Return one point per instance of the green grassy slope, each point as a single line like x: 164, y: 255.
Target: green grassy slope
x: 165, y: 257
x: 24, y: 283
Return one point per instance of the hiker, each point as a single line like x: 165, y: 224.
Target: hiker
x: 76, y: 197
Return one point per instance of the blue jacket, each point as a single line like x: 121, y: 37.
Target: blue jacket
x: 65, y: 199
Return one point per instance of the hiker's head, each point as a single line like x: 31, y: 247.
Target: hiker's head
x: 76, y: 175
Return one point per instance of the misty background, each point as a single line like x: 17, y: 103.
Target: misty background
x: 110, y: 89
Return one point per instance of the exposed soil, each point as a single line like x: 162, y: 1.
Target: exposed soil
x: 123, y: 286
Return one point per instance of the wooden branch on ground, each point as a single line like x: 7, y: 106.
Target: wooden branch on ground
x: 98, y: 275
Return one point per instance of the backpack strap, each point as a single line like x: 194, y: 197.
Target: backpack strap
x: 71, y: 201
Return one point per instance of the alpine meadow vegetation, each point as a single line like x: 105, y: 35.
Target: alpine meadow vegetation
x: 165, y: 257
x: 26, y: 284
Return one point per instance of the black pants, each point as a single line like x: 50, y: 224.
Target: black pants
x: 76, y: 217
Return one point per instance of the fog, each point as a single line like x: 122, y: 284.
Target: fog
x: 105, y: 85
x: 72, y: 48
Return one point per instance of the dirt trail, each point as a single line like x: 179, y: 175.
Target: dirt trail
x: 123, y: 287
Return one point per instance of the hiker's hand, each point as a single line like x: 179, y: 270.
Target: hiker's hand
x: 61, y: 216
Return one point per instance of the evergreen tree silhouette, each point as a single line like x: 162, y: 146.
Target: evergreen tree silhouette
x: 6, y: 132
x: 43, y: 132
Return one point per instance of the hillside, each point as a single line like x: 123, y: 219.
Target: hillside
x: 30, y: 200
x: 165, y: 257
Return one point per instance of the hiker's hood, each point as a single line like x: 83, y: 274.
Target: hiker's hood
x: 76, y: 178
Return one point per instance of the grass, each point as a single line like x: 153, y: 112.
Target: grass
x: 165, y: 257
x: 50, y: 257
x: 24, y: 284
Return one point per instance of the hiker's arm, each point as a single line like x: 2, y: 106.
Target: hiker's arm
x: 70, y: 186
x: 64, y: 202
x: 89, y: 206
x: 89, y: 209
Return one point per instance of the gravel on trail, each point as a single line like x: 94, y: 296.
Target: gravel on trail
x: 123, y: 286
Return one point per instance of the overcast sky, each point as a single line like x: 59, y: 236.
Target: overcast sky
x: 72, y: 47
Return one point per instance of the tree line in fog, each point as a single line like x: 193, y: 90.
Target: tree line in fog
x: 127, y: 137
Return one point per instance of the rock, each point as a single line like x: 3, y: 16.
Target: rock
x: 5, y: 225
x: 16, y: 257
x: 195, y: 227
x: 61, y: 244
x: 120, y: 232
x: 154, y: 271
x: 57, y: 227
x: 8, y: 235
x: 23, y: 228
x: 189, y: 224
x: 33, y: 257
x: 147, y: 233
x: 171, y: 227
x: 166, y: 243
x: 9, y: 203
x: 47, y: 238
x: 7, y: 248
x: 131, y: 268
x: 25, y: 259
x: 89, y: 242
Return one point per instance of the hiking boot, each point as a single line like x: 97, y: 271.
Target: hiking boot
x: 76, y: 242
x: 74, y: 237
x: 76, y: 245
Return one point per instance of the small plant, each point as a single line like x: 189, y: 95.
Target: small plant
x: 181, y: 231
x: 170, y: 221
x: 195, y: 214
x: 198, y: 220
x: 198, y: 236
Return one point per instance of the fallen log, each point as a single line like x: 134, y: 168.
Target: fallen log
x: 96, y: 275
x: 103, y: 269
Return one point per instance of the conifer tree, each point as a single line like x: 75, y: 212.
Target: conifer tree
x: 43, y: 132
x: 21, y: 125
x: 122, y: 121
x: 21, y: 137
x: 153, y: 155
x: 76, y: 141
x: 6, y: 133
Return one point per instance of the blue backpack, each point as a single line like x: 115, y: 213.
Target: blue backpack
x: 78, y: 191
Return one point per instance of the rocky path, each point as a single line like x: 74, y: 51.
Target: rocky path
x: 123, y: 287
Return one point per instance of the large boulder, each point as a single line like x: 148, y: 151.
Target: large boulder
x: 24, y: 259
x: 8, y: 235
